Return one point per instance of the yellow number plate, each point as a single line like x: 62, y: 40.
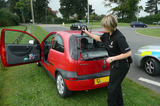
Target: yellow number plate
x: 101, y: 80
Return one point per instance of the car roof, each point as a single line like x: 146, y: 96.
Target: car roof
x: 78, y: 33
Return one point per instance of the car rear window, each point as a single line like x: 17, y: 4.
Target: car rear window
x: 92, y: 49
x: 89, y: 44
x: 86, y: 48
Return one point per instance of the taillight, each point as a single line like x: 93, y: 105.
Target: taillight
x: 81, y: 58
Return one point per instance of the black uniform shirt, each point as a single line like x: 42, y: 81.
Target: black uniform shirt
x: 116, y: 43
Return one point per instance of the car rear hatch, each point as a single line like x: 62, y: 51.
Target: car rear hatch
x: 91, y: 56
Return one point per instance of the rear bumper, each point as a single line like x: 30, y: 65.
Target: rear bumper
x: 83, y: 82
x: 80, y: 85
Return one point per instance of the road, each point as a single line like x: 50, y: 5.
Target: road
x: 135, y: 41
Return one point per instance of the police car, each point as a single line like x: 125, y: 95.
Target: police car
x: 148, y: 57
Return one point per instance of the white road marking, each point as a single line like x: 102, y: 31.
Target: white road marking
x: 149, y: 81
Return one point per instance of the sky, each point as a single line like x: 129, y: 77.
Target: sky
x: 98, y: 6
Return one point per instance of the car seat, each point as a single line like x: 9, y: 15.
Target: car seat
x: 84, y: 43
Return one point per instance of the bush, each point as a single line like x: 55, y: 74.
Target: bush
x: 150, y: 19
x: 8, y: 19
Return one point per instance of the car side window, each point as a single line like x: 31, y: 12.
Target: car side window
x: 14, y: 37
x: 50, y: 39
x: 58, y: 44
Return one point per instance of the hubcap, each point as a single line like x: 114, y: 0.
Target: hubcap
x: 60, y: 84
x: 149, y: 66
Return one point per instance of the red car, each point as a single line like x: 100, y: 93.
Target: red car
x: 76, y: 62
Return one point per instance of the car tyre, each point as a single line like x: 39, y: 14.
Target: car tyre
x: 62, y: 89
x: 152, y: 67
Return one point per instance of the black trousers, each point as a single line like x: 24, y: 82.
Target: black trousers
x: 118, y: 71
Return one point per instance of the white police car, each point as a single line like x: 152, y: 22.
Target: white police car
x: 149, y: 58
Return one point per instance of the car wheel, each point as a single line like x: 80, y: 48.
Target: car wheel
x: 152, y: 67
x: 61, y: 86
x: 144, y: 26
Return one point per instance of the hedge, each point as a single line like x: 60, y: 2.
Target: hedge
x: 148, y: 19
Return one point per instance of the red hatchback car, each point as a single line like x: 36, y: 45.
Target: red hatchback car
x: 74, y: 61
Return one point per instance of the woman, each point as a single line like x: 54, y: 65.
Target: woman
x: 118, y: 51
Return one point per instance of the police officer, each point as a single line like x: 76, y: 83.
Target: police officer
x: 118, y: 51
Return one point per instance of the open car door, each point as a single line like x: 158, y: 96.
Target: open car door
x: 18, y: 47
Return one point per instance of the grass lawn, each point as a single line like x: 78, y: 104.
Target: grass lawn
x: 150, y: 32
x: 30, y: 85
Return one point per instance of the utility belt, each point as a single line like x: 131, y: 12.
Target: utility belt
x: 121, y: 61
x: 129, y: 60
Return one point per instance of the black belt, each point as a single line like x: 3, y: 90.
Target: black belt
x: 123, y: 60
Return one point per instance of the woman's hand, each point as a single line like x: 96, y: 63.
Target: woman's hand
x: 109, y: 59
x: 96, y: 37
x: 118, y: 57
x: 84, y: 29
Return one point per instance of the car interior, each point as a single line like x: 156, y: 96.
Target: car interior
x: 92, y: 49
x: 47, y: 46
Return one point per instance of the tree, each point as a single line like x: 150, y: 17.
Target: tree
x: 124, y: 8
x: 3, y: 4
x: 52, y: 13
x: 12, y: 4
x: 70, y: 8
x: 151, y: 6
x: 23, y: 7
x: 134, y: 9
x: 40, y: 10
x: 95, y: 16
x: 66, y: 8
